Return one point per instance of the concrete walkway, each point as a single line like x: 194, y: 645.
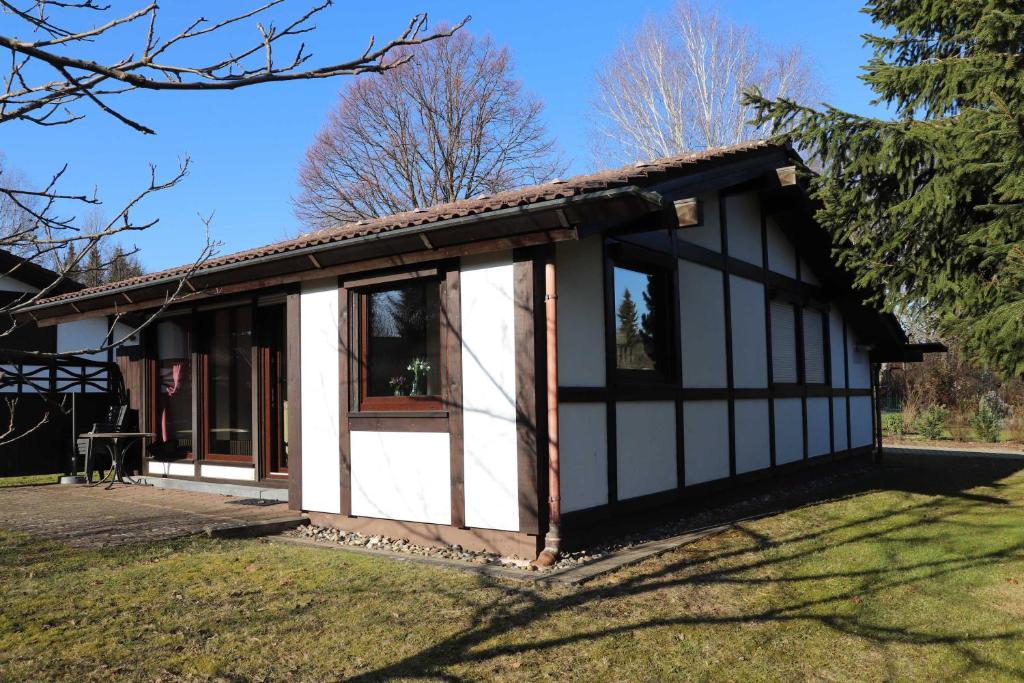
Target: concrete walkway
x: 91, y: 516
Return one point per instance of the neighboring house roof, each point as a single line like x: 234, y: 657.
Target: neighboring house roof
x: 35, y: 275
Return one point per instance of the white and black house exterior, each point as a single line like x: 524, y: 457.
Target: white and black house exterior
x: 473, y: 372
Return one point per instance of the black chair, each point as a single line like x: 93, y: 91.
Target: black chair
x: 114, y: 422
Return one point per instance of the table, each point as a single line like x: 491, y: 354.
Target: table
x: 113, y: 443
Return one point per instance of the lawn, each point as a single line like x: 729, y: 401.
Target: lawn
x: 911, y: 571
x: 29, y: 480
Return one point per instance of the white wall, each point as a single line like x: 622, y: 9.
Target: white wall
x: 753, y: 438
x: 749, y: 348
x: 807, y: 275
x: 227, y: 472
x: 489, y: 393
x: 11, y: 284
x: 321, y: 467
x: 171, y: 469
x: 860, y: 421
x: 789, y: 430
x: 743, y: 225
x: 709, y: 234
x: 580, y: 282
x: 817, y: 426
x: 83, y: 334
x: 583, y: 455
x: 706, y: 440
x: 702, y: 317
x: 645, y: 436
x: 399, y: 475
x: 860, y: 365
x: 835, y: 336
x: 781, y: 254
x: 839, y: 418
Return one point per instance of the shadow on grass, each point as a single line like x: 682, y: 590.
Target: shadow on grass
x: 950, y: 484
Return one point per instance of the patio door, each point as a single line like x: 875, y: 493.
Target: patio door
x: 273, y: 391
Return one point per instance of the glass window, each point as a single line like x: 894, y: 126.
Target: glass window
x: 814, y: 346
x: 642, y: 339
x: 174, y: 387
x: 402, y: 353
x: 229, y: 382
x: 784, y: 369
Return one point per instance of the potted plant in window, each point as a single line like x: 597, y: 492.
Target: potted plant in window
x: 398, y: 385
x: 419, y: 368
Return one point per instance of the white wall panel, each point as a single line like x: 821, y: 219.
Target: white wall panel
x: 489, y: 394
x: 580, y: 281
x: 583, y: 455
x: 645, y: 447
x: 860, y: 421
x: 753, y: 438
x: 709, y: 234
x: 781, y: 254
x: 706, y: 440
x: 227, y: 472
x: 10, y: 284
x: 400, y: 475
x: 702, y: 317
x: 817, y: 427
x: 749, y: 349
x: 157, y: 468
x: 807, y: 275
x: 860, y: 364
x: 789, y: 430
x: 83, y: 334
x: 318, y: 323
x: 835, y: 336
x: 743, y: 224
x: 839, y: 418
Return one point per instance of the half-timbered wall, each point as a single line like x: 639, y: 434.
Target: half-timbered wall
x: 768, y: 373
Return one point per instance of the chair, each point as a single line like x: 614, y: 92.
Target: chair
x: 114, y: 422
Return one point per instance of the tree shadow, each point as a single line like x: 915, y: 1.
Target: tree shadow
x: 755, y: 558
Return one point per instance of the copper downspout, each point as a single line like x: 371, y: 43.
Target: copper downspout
x: 552, y: 540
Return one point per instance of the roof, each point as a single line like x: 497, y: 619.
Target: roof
x: 31, y: 273
x: 638, y: 173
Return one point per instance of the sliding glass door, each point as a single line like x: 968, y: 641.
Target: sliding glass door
x: 229, y: 384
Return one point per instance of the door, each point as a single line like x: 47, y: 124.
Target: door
x: 273, y: 391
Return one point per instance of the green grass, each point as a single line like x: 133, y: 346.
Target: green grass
x: 914, y: 571
x: 29, y: 480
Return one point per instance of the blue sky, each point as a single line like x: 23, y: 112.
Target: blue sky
x: 245, y: 146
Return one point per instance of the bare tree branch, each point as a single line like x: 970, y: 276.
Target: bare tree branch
x: 675, y: 86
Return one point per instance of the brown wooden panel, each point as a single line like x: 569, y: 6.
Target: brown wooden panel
x: 451, y: 316
x: 344, y: 424
x: 525, y: 303
x: 359, y: 422
x: 294, y: 359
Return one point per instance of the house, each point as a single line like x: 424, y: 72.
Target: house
x: 43, y: 386
x: 506, y: 370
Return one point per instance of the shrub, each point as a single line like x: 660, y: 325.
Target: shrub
x: 931, y: 422
x: 910, y: 413
x: 959, y: 425
x: 892, y: 423
x: 987, y: 421
x: 1014, y: 424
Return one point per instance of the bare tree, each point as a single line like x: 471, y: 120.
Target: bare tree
x: 59, y: 64
x: 675, y: 85
x: 454, y: 123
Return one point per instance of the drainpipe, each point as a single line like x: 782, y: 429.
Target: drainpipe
x: 552, y: 540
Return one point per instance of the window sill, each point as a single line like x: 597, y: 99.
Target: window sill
x: 398, y: 413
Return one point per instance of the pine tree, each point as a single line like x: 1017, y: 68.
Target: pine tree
x: 628, y: 333
x: 928, y: 209
x: 93, y: 272
x: 122, y: 265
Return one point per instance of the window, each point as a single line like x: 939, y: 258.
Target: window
x: 229, y: 384
x: 401, y: 346
x: 173, y: 425
x: 784, y: 361
x: 814, y: 346
x: 643, y: 339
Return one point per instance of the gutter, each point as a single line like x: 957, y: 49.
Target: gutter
x: 651, y: 197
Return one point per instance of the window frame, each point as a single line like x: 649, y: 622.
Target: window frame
x: 359, y: 293
x: 660, y: 265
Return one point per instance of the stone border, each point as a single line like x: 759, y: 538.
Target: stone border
x: 613, y: 561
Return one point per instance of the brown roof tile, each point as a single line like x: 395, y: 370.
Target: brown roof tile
x: 641, y: 172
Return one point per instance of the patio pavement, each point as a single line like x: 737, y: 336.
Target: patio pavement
x: 91, y: 516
